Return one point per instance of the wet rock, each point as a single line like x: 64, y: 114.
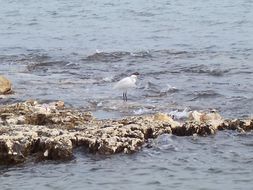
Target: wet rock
x: 237, y: 124
x: 15, y: 144
x: 192, y: 128
x: 51, y: 131
x: 165, y: 118
x: 58, y: 148
x: 5, y: 85
x: 213, y: 118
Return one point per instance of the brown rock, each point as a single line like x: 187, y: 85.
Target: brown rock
x: 212, y: 118
x: 165, y: 118
x: 5, y: 85
x: 51, y: 131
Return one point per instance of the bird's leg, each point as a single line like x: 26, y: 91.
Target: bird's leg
x: 123, y: 96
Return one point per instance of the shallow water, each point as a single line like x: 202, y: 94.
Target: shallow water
x: 223, y: 161
x: 190, y: 54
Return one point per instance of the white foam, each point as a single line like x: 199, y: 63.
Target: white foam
x: 99, y: 51
x: 168, y: 88
x: 141, y: 111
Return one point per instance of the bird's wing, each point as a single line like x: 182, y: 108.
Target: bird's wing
x: 125, y: 83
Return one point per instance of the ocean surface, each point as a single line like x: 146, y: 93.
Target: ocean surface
x: 194, y: 55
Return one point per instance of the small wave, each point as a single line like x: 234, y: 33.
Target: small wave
x: 42, y: 66
x: 164, y: 143
x: 169, y: 89
x: 107, y: 79
x: 171, y: 52
x: 141, y: 54
x: 141, y: 13
x: 245, y: 71
x: 72, y: 65
x: 155, y: 90
x: 77, y: 81
x: 32, y: 23
x: 202, y: 69
x: 217, y: 72
x: 33, y: 57
x: 25, y: 58
x: 100, y: 56
x: 150, y: 86
x: 141, y: 111
x: 206, y: 94
x: 117, y: 56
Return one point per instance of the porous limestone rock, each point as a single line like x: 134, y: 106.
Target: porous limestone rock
x: 212, y: 118
x: 51, y: 131
x: 165, y: 118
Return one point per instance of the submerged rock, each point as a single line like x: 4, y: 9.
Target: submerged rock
x: 5, y: 85
x: 52, y: 131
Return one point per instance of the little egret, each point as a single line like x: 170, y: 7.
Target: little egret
x: 126, y: 83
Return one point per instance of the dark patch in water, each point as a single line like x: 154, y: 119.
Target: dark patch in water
x: 118, y: 56
x: 106, y: 57
x: 43, y: 66
x: 203, y: 69
x: 206, y: 94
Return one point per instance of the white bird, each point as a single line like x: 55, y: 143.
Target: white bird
x: 180, y: 114
x: 126, y: 83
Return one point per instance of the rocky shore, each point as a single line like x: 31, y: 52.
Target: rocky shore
x: 33, y: 131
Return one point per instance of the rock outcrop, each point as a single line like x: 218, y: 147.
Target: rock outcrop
x: 5, y: 85
x: 30, y: 130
